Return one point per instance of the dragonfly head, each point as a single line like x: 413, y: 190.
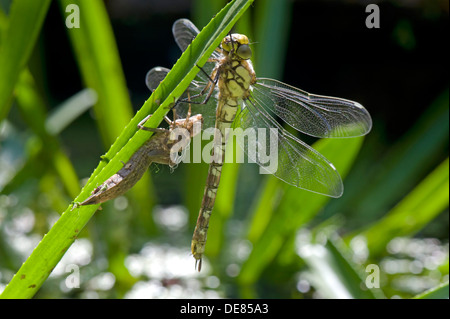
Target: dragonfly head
x: 238, y: 45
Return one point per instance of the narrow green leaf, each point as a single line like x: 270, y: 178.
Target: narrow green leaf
x: 272, y: 22
x: 415, y: 211
x: 33, y: 110
x: 333, y: 273
x: 204, y: 10
x: 25, y: 22
x: 70, y: 110
x: 440, y: 292
x: 99, y: 61
x: 269, y: 197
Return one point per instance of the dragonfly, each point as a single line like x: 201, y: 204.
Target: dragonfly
x: 236, y: 98
x: 166, y: 147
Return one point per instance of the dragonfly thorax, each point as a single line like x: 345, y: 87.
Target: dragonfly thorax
x: 236, y: 77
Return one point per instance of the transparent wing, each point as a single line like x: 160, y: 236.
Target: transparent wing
x: 208, y: 110
x: 184, y: 31
x: 315, y: 115
x: 155, y: 76
x: 280, y: 153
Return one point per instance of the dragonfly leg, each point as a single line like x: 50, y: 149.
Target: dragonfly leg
x: 141, y: 123
x: 197, y: 95
x: 211, y: 90
x: 187, y: 123
x: 210, y: 86
x: 189, y: 109
x: 172, y: 124
x: 150, y: 129
x: 75, y: 205
x: 169, y: 121
x: 204, y: 72
x: 154, y: 130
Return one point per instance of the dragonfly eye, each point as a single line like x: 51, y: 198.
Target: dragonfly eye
x: 234, y: 43
x: 244, y: 52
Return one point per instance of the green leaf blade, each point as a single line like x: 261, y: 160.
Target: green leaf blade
x: 25, y: 22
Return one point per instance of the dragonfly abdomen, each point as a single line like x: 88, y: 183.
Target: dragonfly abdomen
x: 209, y: 197
x: 226, y: 112
x: 235, y: 78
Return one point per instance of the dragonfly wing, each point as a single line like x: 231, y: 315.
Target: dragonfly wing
x: 155, y: 76
x: 280, y: 153
x: 315, y: 115
x: 184, y: 31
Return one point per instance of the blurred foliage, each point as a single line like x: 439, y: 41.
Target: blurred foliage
x: 387, y: 237
x: 66, y: 230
